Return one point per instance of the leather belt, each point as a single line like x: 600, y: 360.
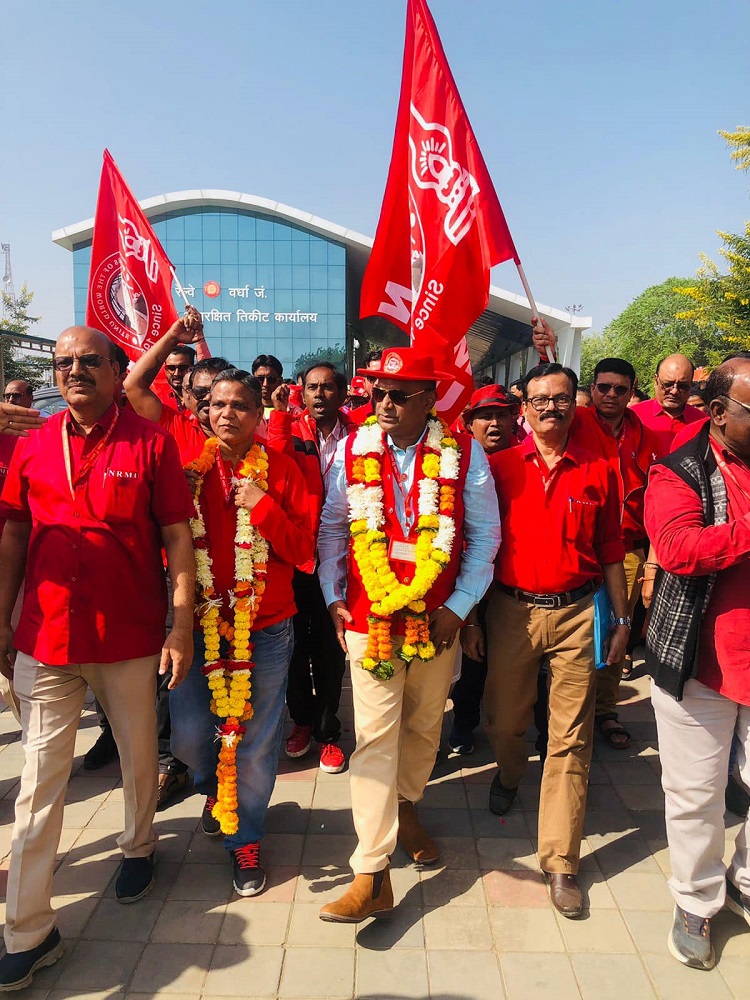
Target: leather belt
x: 547, y: 600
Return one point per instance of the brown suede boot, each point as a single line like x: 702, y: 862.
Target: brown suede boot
x: 413, y: 837
x: 367, y: 896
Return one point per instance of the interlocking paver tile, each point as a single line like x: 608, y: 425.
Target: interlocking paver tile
x: 525, y: 929
x: 443, y: 887
x: 471, y: 931
x: 111, y: 921
x: 515, y: 888
x: 317, y: 972
x: 247, y: 922
x: 97, y: 965
x: 600, y: 931
x: 242, y: 970
x: 612, y: 977
x: 391, y: 974
x: 676, y: 982
x: 538, y: 977
x: 473, y: 974
x: 179, y: 968
x: 189, y: 921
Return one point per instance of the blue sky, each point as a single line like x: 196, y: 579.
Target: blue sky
x: 597, y: 120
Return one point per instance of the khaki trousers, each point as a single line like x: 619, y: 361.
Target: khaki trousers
x: 397, y: 724
x: 608, y: 678
x: 51, y: 702
x: 519, y: 637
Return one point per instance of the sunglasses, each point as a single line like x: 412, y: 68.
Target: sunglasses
x: 606, y: 387
x: 271, y: 379
x: 681, y: 386
x: 173, y: 369
x: 65, y: 363
x: 397, y: 396
x: 200, y: 393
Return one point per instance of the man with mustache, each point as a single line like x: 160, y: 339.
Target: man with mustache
x: 669, y: 411
x: 90, y: 500
x: 560, y: 516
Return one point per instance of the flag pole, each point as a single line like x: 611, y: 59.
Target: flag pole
x: 530, y: 297
x: 180, y: 289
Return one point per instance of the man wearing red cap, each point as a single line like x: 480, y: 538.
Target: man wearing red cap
x: 408, y: 533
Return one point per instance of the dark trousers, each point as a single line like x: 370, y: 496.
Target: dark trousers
x: 318, y: 662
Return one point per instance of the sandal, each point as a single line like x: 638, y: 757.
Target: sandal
x: 627, y: 667
x: 613, y: 731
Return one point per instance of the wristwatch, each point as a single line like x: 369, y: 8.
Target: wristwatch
x: 623, y: 621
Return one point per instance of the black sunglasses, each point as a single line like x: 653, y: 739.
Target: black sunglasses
x: 176, y: 368
x: 606, y: 387
x: 65, y: 363
x: 397, y: 396
x: 200, y: 393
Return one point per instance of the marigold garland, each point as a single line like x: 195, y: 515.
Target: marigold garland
x: 229, y: 679
x: 436, y: 532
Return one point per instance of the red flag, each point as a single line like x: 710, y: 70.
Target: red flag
x: 130, y: 281
x: 441, y: 226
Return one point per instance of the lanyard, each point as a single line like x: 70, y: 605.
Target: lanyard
x: 726, y: 468
x: 400, y: 478
x: 88, y: 462
x: 227, y: 486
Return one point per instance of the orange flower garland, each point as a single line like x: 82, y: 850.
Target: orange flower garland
x: 229, y: 679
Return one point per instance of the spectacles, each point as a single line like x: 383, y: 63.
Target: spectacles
x: 745, y: 406
x: 397, y: 396
x: 173, y: 369
x: 64, y: 363
x: 561, y: 401
x: 268, y: 378
x: 606, y: 387
x: 200, y: 393
x: 10, y: 396
x: 672, y: 384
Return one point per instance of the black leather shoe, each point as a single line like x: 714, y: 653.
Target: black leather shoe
x: 135, y: 879
x: 17, y: 970
x: 104, y: 751
x: 501, y: 798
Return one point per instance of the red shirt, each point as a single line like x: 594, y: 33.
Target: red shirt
x: 687, y: 433
x: 663, y: 424
x: 286, y: 517
x: 559, y: 527
x: 7, y: 447
x: 95, y: 590
x: 186, y: 431
x: 687, y: 547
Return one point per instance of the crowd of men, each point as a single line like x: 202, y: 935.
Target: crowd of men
x: 520, y: 544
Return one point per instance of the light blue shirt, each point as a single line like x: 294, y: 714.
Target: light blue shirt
x: 481, y: 527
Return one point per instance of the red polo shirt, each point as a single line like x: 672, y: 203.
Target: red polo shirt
x: 287, y: 517
x: 687, y: 547
x: 7, y: 447
x: 663, y: 424
x: 95, y: 590
x: 186, y: 431
x: 560, y: 527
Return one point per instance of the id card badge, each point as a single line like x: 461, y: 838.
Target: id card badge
x: 403, y: 551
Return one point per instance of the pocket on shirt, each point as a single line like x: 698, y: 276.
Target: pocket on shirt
x: 122, y: 500
x: 580, y: 520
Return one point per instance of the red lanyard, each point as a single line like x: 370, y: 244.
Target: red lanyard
x: 227, y: 487
x: 399, y: 479
x: 88, y: 462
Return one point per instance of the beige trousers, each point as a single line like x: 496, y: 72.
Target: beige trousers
x: 51, y: 702
x: 608, y: 678
x: 397, y: 723
x: 519, y: 637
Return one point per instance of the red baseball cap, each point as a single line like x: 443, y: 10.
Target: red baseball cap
x: 489, y: 395
x: 404, y: 364
x: 357, y: 386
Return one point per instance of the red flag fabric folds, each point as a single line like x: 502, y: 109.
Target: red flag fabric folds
x: 130, y: 281
x: 441, y: 226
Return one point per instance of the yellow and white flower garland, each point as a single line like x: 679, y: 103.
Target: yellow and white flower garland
x: 436, y: 532
x: 229, y: 679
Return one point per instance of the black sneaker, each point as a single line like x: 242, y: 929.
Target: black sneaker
x: 461, y: 743
x: 104, y: 751
x: 17, y: 970
x: 210, y: 826
x: 737, y: 902
x: 501, y: 798
x: 249, y: 877
x: 135, y: 879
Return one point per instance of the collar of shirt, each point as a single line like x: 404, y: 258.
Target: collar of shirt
x: 573, y: 452
x: 336, y: 434
x: 405, y: 456
x: 102, y: 423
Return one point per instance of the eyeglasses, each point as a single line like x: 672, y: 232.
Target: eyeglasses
x: 561, y: 401
x: 10, y: 396
x: 200, y: 393
x: 397, y: 396
x: 606, y: 387
x: 271, y: 379
x: 65, y: 363
x: 173, y: 369
x: 745, y: 406
x: 674, y: 384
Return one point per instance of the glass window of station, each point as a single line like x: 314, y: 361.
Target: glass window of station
x: 263, y: 286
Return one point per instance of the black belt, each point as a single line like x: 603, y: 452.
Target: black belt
x: 547, y: 600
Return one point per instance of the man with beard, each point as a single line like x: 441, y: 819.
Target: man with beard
x: 176, y: 367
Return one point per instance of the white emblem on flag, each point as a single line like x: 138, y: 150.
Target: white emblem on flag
x: 135, y: 245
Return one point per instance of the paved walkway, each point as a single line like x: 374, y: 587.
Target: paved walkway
x: 479, y: 928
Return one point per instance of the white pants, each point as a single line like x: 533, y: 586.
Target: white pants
x: 695, y: 736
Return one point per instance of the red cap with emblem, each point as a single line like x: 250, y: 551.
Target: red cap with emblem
x: 404, y: 364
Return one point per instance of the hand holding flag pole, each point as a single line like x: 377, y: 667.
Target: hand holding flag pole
x: 532, y: 303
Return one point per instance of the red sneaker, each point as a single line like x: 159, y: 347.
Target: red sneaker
x: 299, y: 742
x: 332, y: 759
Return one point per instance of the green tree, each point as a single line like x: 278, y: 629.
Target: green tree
x: 335, y: 354
x: 650, y: 328
x: 17, y: 320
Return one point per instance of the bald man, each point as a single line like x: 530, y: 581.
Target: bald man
x: 669, y: 411
x: 19, y: 392
x: 90, y: 499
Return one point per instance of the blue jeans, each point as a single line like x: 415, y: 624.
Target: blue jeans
x: 194, y: 729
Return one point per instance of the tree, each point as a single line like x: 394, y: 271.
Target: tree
x: 724, y: 299
x: 649, y: 329
x: 17, y: 320
x: 335, y: 354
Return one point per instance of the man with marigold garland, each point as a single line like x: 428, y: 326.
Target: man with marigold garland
x: 254, y: 521
x: 409, y: 530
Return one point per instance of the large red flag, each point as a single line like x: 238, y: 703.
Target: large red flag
x: 441, y: 226
x: 130, y: 281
